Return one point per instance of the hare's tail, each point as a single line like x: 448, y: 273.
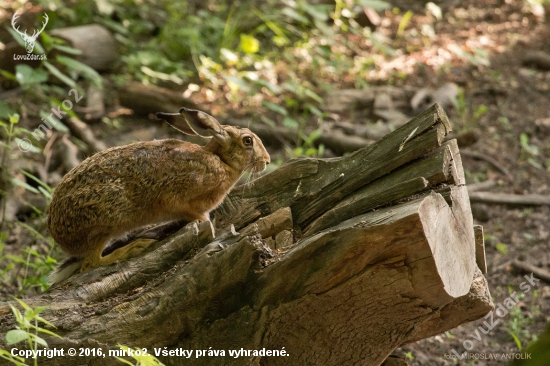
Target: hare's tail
x: 65, y: 270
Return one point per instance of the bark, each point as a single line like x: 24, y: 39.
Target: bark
x: 336, y: 261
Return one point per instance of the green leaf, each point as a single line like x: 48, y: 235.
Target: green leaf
x: 26, y: 145
x: 5, y: 110
x: 275, y: 107
x: 85, y: 70
x: 310, y: 93
x: 19, y: 183
x: 290, y: 122
x: 8, y: 75
x: 313, y: 109
x: 516, y: 339
x: 16, y: 360
x: 524, y: 139
x: 42, y: 330
x: 268, y: 121
x: 275, y: 89
x: 37, y: 180
x: 55, y: 72
x: 318, y: 12
x: 374, y: 4
x: 502, y: 248
x: 27, y: 75
x: 289, y: 12
x: 403, y: 23
x: 45, y: 192
x: 23, y: 304
x: 237, y: 82
x: 15, y: 336
x: 14, y: 118
x: 249, y: 44
x: 56, y: 124
x: 67, y: 49
x: 41, y: 341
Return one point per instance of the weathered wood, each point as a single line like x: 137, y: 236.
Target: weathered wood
x: 349, y: 100
x: 149, y: 99
x: 482, y: 186
x: 539, y: 59
x: 344, y: 290
x: 480, y: 249
x: 98, y: 47
x: 515, y: 200
x: 538, y: 272
x: 83, y: 132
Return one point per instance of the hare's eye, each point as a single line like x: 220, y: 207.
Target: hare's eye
x: 247, y: 140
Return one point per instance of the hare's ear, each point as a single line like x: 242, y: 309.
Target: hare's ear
x: 204, y: 124
x: 177, y: 121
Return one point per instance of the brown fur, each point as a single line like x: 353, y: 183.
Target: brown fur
x: 127, y: 187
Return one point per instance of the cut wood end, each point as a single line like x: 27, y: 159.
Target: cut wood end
x: 452, y: 248
x: 480, y: 248
x: 443, y: 117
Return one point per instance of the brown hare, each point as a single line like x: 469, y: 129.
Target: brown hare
x: 124, y: 188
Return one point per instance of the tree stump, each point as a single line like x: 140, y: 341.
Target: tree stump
x: 324, y: 261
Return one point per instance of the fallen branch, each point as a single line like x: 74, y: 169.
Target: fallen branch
x: 336, y: 141
x: 489, y: 183
x: 490, y: 160
x: 510, y: 199
x: 539, y: 59
x: 538, y: 272
x: 83, y: 132
x: 146, y: 99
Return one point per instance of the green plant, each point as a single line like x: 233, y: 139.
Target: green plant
x: 467, y: 114
x: 27, y: 331
x: 529, y: 152
x: 517, y: 326
x: 35, y: 266
x: 141, y: 358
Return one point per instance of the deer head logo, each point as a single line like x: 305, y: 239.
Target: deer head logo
x: 29, y: 40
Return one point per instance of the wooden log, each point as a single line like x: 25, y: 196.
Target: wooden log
x: 350, y: 291
x: 538, y: 272
x: 149, y: 99
x: 539, y: 59
x: 98, y: 47
x: 480, y: 249
x: 515, y: 200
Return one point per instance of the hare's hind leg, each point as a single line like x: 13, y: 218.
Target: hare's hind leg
x: 97, y: 241
x: 128, y: 251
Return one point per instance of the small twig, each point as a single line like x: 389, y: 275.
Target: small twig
x: 48, y: 154
x: 70, y: 153
x: 510, y: 199
x: 489, y: 183
x: 538, y: 272
x: 490, y: 160
x: 539, y: 59
x: 82, y: 131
